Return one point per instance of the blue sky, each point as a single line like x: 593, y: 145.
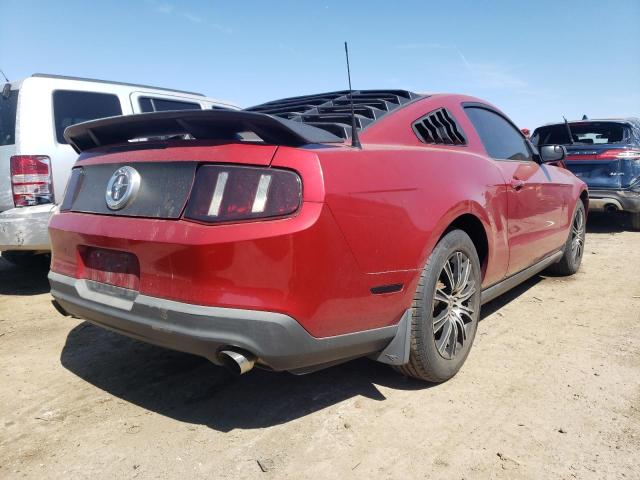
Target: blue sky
x: 536, y: 60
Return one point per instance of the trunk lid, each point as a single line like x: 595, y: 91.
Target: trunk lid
x: 165, y: 170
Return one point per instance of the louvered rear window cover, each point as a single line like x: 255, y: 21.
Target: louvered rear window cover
x: 439, y: 127
x: 332, y: 111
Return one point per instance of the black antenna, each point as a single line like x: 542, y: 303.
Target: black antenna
x: 355, y: 141
x: 566, y: 124
x: 5, y: 77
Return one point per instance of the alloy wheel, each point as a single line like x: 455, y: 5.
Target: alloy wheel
x: 577, y: 235
x: 453, y: 310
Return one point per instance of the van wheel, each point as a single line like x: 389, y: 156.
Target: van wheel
x: 574, y: 246
x: 635, y: 221
x: 445, y: 311
x: 26, y: 259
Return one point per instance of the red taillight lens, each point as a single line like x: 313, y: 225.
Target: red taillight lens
x: 31, y: 180
x: 618, y: 153
x: 226, y: 194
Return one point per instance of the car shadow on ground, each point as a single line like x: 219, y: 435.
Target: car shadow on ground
x: 17, y: 280
x: 193, y: 390
x: 608, y: 222
x: 499, y: 302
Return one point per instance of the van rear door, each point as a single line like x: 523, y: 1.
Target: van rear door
x: 8, y: 113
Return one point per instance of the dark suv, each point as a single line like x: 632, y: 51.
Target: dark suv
x: 606, y: 155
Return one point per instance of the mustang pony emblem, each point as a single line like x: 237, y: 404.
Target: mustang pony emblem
x: 122, y: 188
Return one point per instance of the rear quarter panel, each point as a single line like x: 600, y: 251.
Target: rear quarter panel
x: 393, y: 205
x: 394, y: 198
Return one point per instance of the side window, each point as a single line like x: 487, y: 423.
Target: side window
x: 150, y: 104
x: 71, y: 107
x: 501, y: 139
x: 8, y: 109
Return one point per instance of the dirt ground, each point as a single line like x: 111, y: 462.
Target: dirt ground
x: 550, y: 390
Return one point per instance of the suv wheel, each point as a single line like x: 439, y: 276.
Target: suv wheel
x: 446, y: 309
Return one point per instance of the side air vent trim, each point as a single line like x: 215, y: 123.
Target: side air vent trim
x: 440, y: 128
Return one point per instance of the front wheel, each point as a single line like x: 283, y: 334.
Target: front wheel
x: 446, y: 309
x: 574, y: 246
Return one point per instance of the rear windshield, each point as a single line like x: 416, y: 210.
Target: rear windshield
x: 591, y: 133
x: 71, y: 107
x: 8, y: 108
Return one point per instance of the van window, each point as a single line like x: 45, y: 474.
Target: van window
x: 149, y: 104
x: 71, y: 107
x: 8, y: 108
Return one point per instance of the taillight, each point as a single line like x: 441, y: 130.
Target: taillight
x: 224, y: 194
x: 31, y: 180
x: 618, y: 154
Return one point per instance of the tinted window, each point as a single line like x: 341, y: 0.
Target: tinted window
x: 148, y: 104
x: 584, y: 133
x: 71, y: 107
x: 8, y: 107
x: 501, y: 139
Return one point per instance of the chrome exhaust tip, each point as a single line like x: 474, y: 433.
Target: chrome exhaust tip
x: 237, y: 361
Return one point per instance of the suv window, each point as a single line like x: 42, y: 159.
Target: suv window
x: 500, y: 138
x: 71, y: 107
x: 8, y: 107
x: 149, y: 104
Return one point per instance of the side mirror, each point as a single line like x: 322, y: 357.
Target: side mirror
x: 552, y: 153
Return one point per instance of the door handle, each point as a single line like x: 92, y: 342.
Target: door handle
x: 516, y: 184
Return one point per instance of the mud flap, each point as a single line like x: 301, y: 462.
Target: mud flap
x: 397, y: 352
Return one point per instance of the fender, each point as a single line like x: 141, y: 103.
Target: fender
x: 498, y: 249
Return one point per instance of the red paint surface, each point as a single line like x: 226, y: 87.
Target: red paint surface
x: 369, y: 217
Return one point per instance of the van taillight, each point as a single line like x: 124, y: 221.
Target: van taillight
x: 31, y: 181
x: 231, y: 194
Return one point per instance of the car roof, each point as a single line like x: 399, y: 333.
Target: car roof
x: 111, y: 82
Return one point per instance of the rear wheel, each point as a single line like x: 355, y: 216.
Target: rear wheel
x: 446, y: 309
x: 574, y: 247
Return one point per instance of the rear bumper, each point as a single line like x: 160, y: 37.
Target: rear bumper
x: 299, y: 266
x: 625, y: 200
x: 25, y: 228
x: 278, y: 340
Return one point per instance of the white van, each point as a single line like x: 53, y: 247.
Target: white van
x: 35, y: 159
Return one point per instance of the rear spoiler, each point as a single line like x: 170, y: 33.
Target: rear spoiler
x: 200, y: 124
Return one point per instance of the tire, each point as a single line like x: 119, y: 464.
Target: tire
x: 434, y: 357
x: 574, y: 246
x: 27, y: 259
x: 635, y: 221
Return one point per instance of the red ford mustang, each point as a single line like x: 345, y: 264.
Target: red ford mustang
x: 265, y: 237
